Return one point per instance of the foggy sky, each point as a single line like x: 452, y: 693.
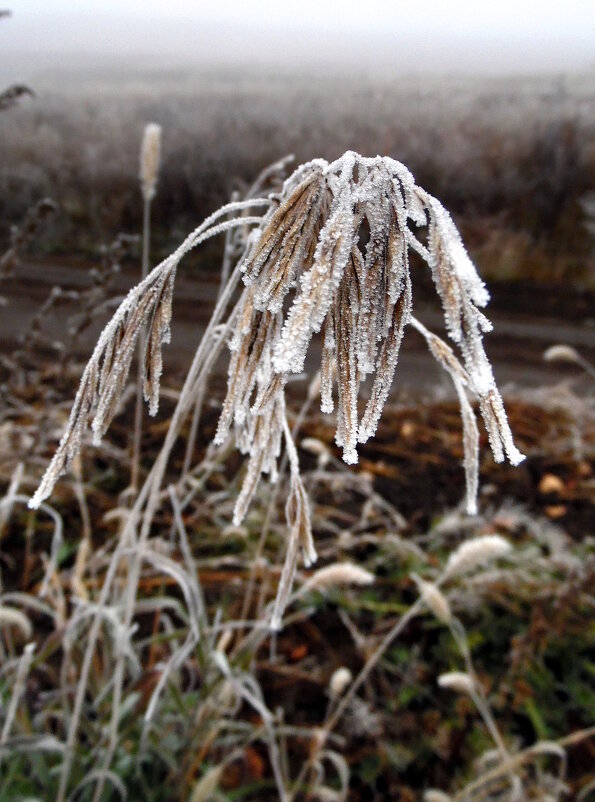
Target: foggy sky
x: 424, y: 35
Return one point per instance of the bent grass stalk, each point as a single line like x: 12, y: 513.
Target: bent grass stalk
x: 360, y: 300
x: 147, y: 499
x: 230, y: 252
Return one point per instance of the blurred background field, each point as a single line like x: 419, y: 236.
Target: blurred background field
x: 513, y: 158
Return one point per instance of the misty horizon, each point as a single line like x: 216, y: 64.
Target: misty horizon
x: 36, y: 42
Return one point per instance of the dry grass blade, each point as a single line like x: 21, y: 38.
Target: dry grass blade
x: 282, y: 244
x: 444, y: 356
x: 387, y: 363
x: 297, y: 512
x: 22, y: 235
x: 159, y: 333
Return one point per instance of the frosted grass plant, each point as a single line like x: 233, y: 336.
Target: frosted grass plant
x: 305, y: 271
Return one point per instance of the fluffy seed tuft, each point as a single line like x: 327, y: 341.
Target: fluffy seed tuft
x: 457, y: 681
x: 434, y: 598
x: 433, y: 795
x: 337, y: 574
x: 150, y: 158
x: 339, y: 681
x: 561, y: 353
x: 476, y: 552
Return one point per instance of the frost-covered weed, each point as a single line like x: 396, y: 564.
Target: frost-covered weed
x: 305, y: 271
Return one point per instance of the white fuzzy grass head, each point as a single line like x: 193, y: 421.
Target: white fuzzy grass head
x: 340, y: 679
x: 150, y: 157
x: 477, y: 552
x: 338, y: 575
x: 305, y: 271
x: 433, y: 795
x: 434, y: 598
x: 457, y: 681
x: 561, y: 353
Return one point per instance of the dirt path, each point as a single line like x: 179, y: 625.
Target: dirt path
x: 515, y: 346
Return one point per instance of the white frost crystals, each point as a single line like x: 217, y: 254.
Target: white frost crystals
x: 329, y: 254
x: 309, y: 253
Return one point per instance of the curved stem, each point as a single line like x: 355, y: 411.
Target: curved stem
x: 151, y: 493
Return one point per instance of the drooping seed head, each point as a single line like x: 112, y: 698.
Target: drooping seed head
x: 9, y: 616
x: 338, y: 574
x: 561, y: 353
x: 433, y: 795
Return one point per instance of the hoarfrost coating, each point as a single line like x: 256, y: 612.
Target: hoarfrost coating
x: 360, y: 299
x: 305, y: 271
x: 304, y: 255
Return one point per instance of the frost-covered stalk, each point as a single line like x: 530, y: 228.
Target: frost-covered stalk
x: 150, y: 157
x: 229, y: 251
x: 305, y: 272
x: 23, y: 667
x: 236, y: 242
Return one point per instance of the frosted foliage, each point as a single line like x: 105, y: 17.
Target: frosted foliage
x: 306, y: 270
x: 309, y: 273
